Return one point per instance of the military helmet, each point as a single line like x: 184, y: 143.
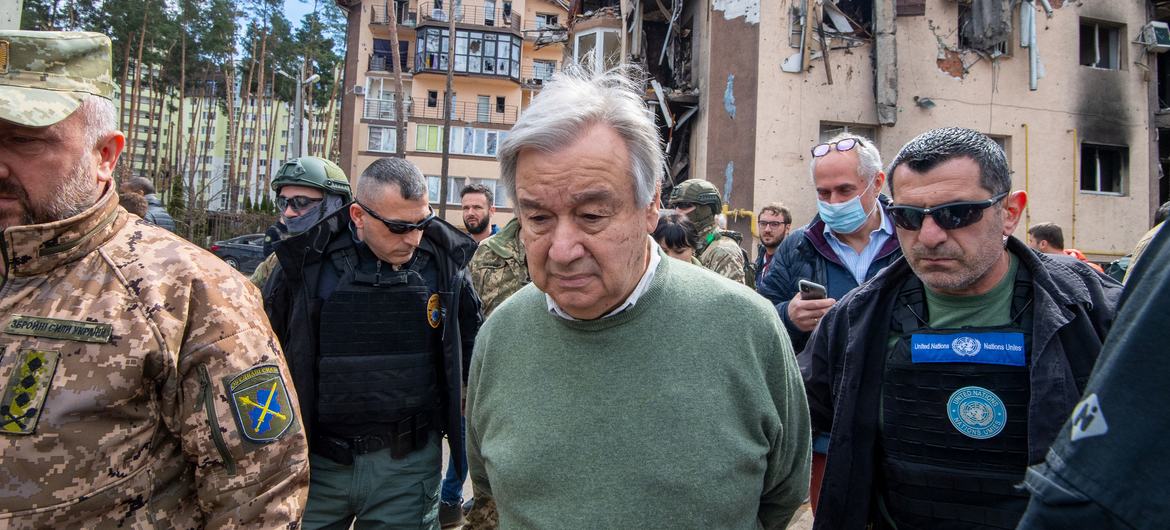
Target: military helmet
x: 314, y: 172
x: 696, y: 191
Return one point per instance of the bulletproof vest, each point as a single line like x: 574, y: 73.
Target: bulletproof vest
x: 380, y: 344
x: 954, y: 423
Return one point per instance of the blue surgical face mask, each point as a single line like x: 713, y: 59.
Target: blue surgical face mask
x: 845, y: 217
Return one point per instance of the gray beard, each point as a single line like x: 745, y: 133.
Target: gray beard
x: 73, y: 195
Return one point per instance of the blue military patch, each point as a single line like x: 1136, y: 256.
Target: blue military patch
x: 434, y: 311
x: 985, y: 348
x: 260, y: 404
x: 977, y: 412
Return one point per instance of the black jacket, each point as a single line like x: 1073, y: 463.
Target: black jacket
x: 293, y: 307
x: 157, y: 215
x: 806, y: 254
x: 842, y: 367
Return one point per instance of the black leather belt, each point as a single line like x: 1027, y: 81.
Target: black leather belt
x: 402, y: 438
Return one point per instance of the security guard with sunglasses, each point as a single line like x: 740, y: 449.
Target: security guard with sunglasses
x: 308, y: 189
x: 948, y: 374
x: 377, y: 316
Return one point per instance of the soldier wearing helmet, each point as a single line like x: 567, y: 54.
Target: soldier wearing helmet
x: 308, y: 189
x: 718, y: 249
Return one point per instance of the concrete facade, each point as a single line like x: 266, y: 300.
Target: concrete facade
x: 487, y: 103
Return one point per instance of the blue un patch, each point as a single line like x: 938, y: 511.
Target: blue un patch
x: 977, y: 412
x: 984, y: 348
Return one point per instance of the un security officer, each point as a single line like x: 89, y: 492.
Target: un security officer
x: 376, y: 313
x: 946, y: 375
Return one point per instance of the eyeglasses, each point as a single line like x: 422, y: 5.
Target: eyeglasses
x: 843, y: 145
x: 947, y: 216
x: 401, y: 227
x: 772, y: 224
x: 298, y: 203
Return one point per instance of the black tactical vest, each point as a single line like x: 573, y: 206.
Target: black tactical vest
x: 954, y: 424
x: 379, y: 350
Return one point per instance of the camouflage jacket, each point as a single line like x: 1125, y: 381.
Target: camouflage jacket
x: 499, y: 267
x: 260, y: 276
x: 142, y: 385
x: 721, y: 254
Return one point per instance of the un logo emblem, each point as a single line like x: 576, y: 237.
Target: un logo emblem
x: 966, y: 346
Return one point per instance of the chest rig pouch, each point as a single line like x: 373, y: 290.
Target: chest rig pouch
x: 379, y: 338
x: 954, y: 423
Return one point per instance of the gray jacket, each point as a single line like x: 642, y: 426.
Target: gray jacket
x: 157, y: 215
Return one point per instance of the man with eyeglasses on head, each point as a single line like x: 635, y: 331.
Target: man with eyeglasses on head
x: 944, y: 377
x: 375, y: 310
x: 308, y: 189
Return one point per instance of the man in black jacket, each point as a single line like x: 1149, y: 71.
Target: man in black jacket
x: 951, y: 371
x: 376, y: 313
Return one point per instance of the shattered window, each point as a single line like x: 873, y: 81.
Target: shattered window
x: 1103, y: 168
x: 1100, y: 45
x: 990, y: 36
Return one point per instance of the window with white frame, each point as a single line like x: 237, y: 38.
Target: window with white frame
x: 600, y: 48
x: 546, y: 20
x: 829, y: 130
x: 383, y: 139
x: 1101, y: 45
x: 1103, y: 168
x: 477, y: 142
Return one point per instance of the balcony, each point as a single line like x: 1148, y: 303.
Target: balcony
x: 384, y: 109
x: 382, y: 63
x: 381, y: 15
x: 534, y: 77
x: 484, y: 14
x: 542, y: 33
x: 470, y: 113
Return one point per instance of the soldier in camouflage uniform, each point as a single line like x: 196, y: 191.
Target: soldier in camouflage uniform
x: 718, y: 249
x: 499, y: 267
x: 140, y: 384
x: 308, y: 189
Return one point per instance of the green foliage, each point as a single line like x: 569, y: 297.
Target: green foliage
x: 177, y: 201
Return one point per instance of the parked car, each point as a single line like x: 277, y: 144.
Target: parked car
x: 243, y: 253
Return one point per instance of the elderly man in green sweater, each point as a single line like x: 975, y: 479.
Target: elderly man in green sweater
x: 622, y: 389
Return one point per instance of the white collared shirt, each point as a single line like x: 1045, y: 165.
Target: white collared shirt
x: 639, y: 290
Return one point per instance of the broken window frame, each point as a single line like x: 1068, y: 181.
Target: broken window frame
x: 829, y: 129
x: 1115, y: 41
x: 1093, y: 175
x: 600, y: 36
x: 964, y: 17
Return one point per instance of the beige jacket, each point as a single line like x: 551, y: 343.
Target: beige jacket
x: 141, y: 384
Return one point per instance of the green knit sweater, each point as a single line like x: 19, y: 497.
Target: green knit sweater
x: 685, y: 411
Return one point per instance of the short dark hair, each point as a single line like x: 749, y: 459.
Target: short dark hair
x: 1049, y: 232
x: 397, y: 171
x: 134, y: 203
x: 139, y: 185
x: 1162, y: 213
x: 777, y: 209
x: 477, y: 188
x: 676, y: 231
x: 931, y: 148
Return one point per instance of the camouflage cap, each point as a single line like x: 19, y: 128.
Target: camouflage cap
x: 45, y: 75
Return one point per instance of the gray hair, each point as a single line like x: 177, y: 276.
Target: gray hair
x: 391, y: 171
x: 869, y: 160
x: 100, y: 118
x: 933, y: 147
x: 574, y: 101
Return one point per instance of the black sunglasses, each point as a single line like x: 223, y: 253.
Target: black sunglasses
x: 843, y: 145
x: 298, y: 203
x: 947, y: 216
x: 401, y: 227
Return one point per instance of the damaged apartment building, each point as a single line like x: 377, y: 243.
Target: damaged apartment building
x: 744, y: 88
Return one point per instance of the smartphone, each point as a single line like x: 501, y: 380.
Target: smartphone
x: 812, y: 291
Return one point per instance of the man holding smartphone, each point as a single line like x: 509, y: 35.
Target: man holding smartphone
x: 947, y: 375
x: 848, y: 242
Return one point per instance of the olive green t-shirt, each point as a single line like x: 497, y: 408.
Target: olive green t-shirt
x: 993, y: 308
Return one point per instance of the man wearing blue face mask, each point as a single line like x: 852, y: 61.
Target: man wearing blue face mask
x: 848, y: 242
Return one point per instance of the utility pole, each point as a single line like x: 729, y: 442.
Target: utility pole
x: 10, y: 13
x: 298, y: 112
x: 449, y: 98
